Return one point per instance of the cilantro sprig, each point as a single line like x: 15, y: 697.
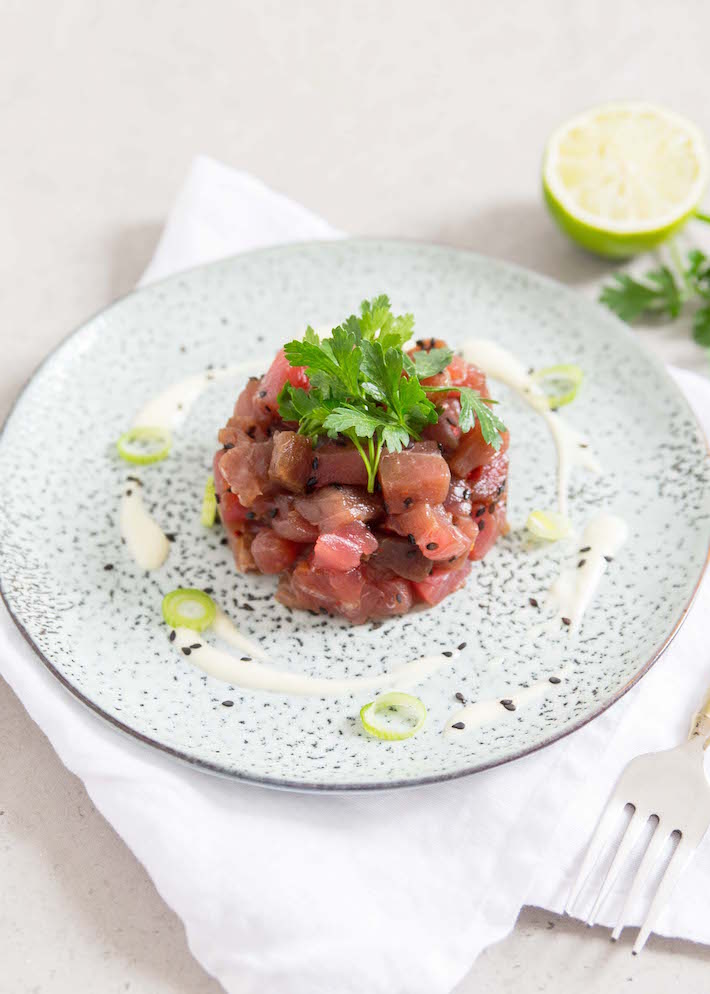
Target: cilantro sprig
x: 661, y: 292
x: 365, y: 387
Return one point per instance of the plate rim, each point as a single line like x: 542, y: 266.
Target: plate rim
x: 298, y: 786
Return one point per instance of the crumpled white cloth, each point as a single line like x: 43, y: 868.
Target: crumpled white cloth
x: 395, y: 892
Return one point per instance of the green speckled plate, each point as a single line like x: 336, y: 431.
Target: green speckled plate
x: 100, y: 631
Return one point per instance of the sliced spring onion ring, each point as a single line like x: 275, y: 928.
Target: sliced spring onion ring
x: 559, y: 383
x: 395, y: 699
x: 209, y: 504
x: 144, y: 445
x: 184, y: 608
x: 548, y: 525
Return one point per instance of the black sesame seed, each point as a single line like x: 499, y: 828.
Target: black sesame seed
x: 267, y: 408
x: 431, y: 546
x: 583, y: 445
x: 508, y: 705
x: 532, y: 601
x: 462, y: 646
x: 398, y: 598
x: 251, y: 432
x: 171, y: 636
x: 481, y: 524
x: 555, y: 679
x: 245, y: 659
x: 447, y: 653
x: 262, y: 393
x: 224, y: 541
x: 128, y: 492
x: 452, y: 559
x: 196, y: 645
x: 458, y: 724
x: 500, y: 490
x: 459, y: 697
x: 441, y: 447
x: 170, y: 536
x: 466, y: 494
x: 311, y: 481
x: 186, y: 650
x: 566, y: 621
x: 228, y: 445
x: 314, y: 464
x: 479, y: 512
x: 408, y: 501
x: 587, y: 548
x: 134, y: 479
x: 227, y: 704
x: 108, y: 566
x: 581, y: 563
x: 208, y: 590
x: 491, y: 508
x: 217, y: 498
x: 247, y: 607
x: 411, y: 539
x: 250, y: 515
x: 609, y: 559
x: 273, y: 512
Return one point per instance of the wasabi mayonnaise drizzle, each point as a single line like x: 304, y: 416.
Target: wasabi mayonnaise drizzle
x: 256, y: 673
x: 144, y: 537
x: 572, y: 446
x: 486, y: 711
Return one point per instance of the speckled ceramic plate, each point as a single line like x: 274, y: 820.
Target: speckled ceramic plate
x: 100, y: 630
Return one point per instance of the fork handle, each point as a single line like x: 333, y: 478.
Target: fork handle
x: 700, y: 726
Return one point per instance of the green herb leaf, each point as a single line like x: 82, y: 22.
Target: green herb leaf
x: 474, y: 407
x: 432, y: 362
x: 701, y: 326
x: 630, y: 298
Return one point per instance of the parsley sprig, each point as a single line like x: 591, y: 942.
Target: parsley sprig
x: 365, y: 387
x: 664, y: 293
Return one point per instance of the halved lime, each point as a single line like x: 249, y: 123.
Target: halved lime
x: 621, y: 178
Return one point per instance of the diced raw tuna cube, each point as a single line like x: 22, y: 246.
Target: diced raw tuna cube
x: 339, y: 464
x: 432, y: 530
x: 240, y: 545
x: 334, y: 506
x: 273, y: 554
x: 343, y: 548
x: 383, y: 597
x: 291, y: 461
x: 419, y: 474
x: 458, y: 500
x: 288, y: 523
x: 473, y: 452
x: 315, y: 588
x: 446, y: 432
x: 490, y: 524
x: 440, y: 584
x: 399, y: 556
x: 272, y: 382
x: 465, y: 374
x: 489, y: 482
x: 246, y: 469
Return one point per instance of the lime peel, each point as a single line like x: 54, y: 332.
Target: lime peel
x: 189, y: 608
x: 549, y: 525
x: 154, y: 445
x: 394, y: 699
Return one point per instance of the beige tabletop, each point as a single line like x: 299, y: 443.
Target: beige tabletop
x: 410, y: 119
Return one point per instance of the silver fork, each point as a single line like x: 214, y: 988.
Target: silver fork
x: 670, y: 785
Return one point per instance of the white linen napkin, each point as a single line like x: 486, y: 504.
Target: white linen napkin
x: 395, y: 892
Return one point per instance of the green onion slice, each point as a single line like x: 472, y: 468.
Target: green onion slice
x: 209, y: 504
x: 559, y: 383
x: 144, y: 445
x: 394, y: 701
x: 548, y: 525
x: 185, y: 608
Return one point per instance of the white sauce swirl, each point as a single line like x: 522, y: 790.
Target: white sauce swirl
x: 256, y: 673
x: 145, y: 539
x: 572, y: 447
x: 479, y: 713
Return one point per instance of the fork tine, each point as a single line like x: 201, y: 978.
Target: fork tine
x: 653, y: 849
x: 606, y: 822
x: 679, y: 860
x: 628, y: 839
